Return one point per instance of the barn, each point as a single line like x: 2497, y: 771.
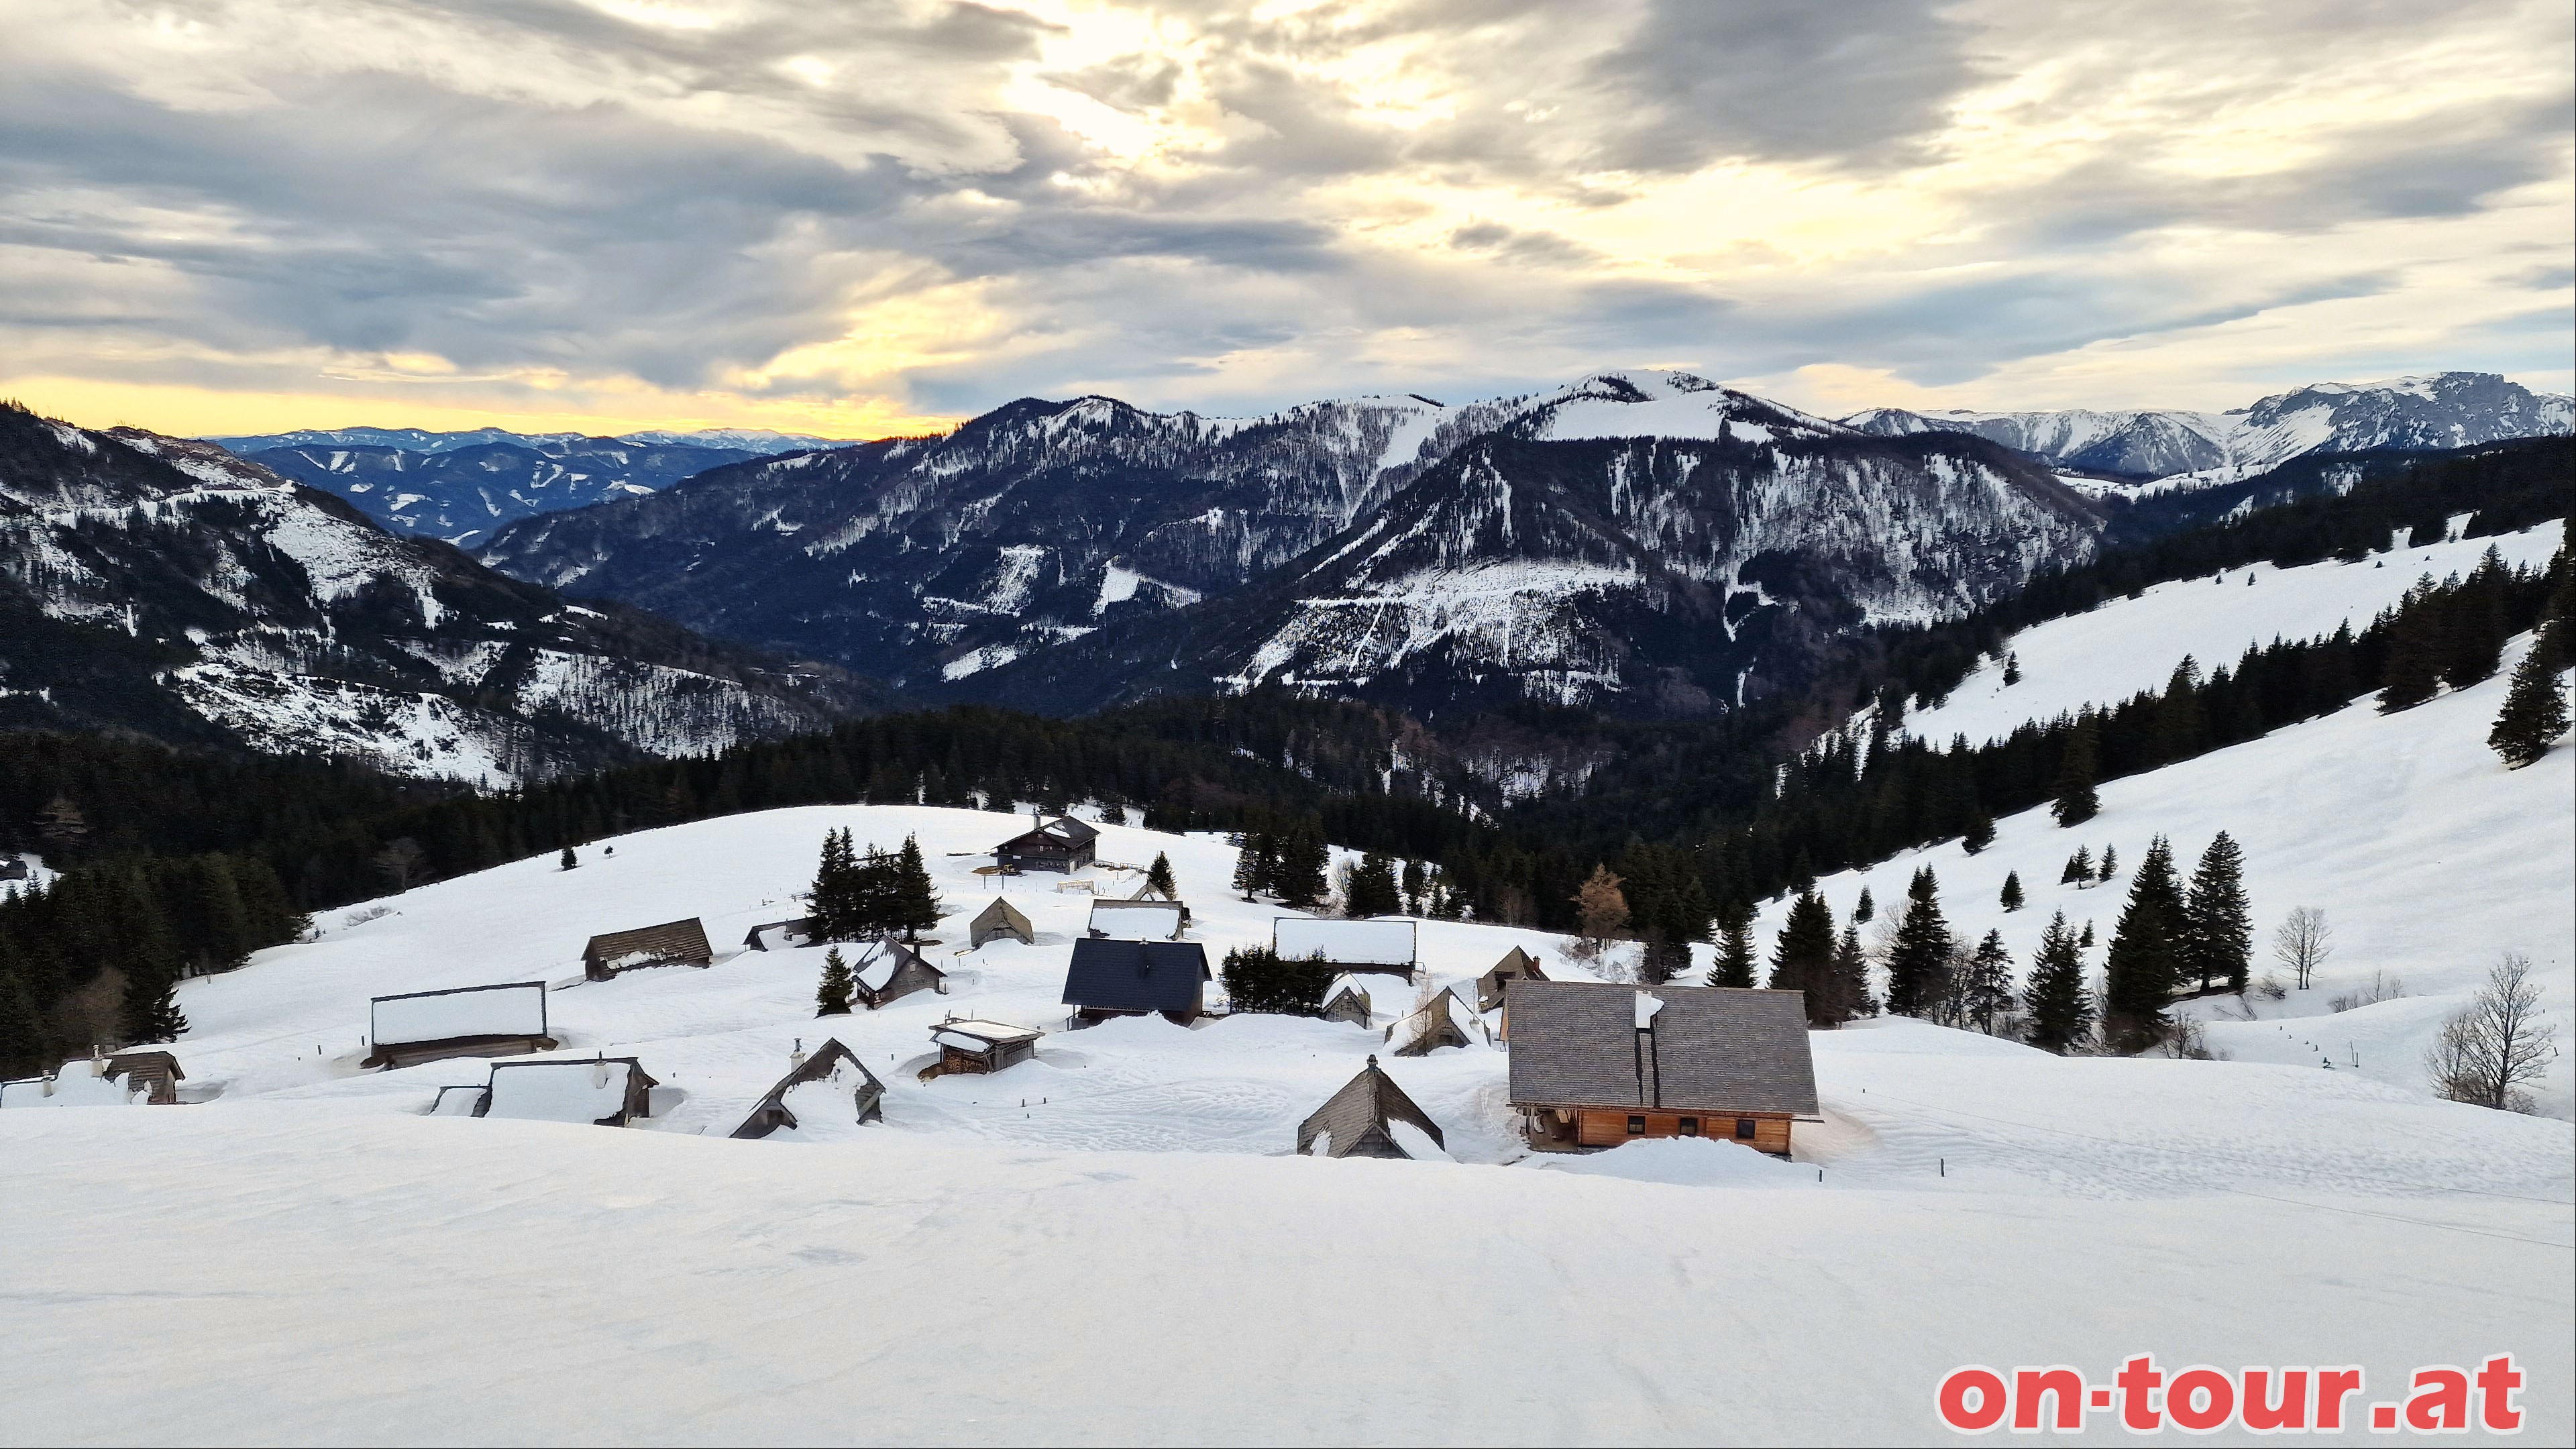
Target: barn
x: 818, y: 1083
x: 890, y: 971
x: 1001, y: 918
x: 1346, y: 1000
x: 1370, y: 1117
x: 1446, y: 1020
x: 1139, y: 920
x: 672, y: 943
x: 1130, y: 978
x: 1366, y: 947
x: 155, y: 1074
x: 777, y: 935
x: 1063, y: 845
x: 1595, y: 1065
x: 505, y: 1020
x: 605, y: 1091
x: 975, y: 1047
x: 1516, y: 965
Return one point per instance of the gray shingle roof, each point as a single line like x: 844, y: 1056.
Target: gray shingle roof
x: 1712, y: 1049
x: 1113, y: 975
x: 1369, y: 1100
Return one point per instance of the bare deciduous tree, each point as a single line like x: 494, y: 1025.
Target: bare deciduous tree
x: 2486, y: 1053
x: 2302, y: 942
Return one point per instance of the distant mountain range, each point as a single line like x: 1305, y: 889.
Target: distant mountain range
x: 461, y: 486
x: 165, y: 586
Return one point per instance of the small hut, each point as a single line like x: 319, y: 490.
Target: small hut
x: 1516, y: 965
x: 154, y: 1073
x: 1139, y: 920
x: 1346, y: 1000
x: 975, y: 1047
x: 1369, y: 947
x: 1001, y: 918
x: 817, y: 1084
x: 672, y: 943
x: 127, y: 1079
x: 12, y: 868
x: 1370, y: 1117
x: 605, y: 1091
x: 777, y: 935
x: 1063, y: 845
x: 1130, y: 978
x: 506, y: 1020
x: 1446, y: 1020
x: 890, y: 971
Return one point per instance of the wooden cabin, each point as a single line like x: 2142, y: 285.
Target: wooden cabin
x: 1446, y: 1020
x: 1063, y: 845
x: 101, y: 1081
x: 818, y: 1080
x: 155, y: 1074
x: 891, y: 971
x: 1595, y: 1065
x: 507, y: 1020
x: 1516, y: 965
x: 976, y: 1047
x: 12, y: 868
x: 1346, y: 1000
x: 1370, y: 1117
x: 672, y: 943
x: 1001, y: 918
x: 605, y: 1091
x: 779, y: 935
x: 1374, y: 947
x: 1131, y: 978
x: 1139, y: 920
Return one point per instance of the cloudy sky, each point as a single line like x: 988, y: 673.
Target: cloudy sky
x: 858, y: 216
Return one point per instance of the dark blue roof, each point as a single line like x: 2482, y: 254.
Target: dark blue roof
x: 1109, y: 975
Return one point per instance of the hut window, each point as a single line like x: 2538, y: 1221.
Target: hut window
x: 1690, y: 1126
x: 1744, y: 1129
x: 1636, y: 1126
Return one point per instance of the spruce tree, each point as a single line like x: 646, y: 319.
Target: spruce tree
x: 1735, y: 957
x: 2086, y: 940
x: 22, y: 1036
x: 832, y: 998
x: 831, y: 899
x: 1987, y: 992
x: 2110, y: 865
x: 2473, y: 623
x: 2079, y: 868
x: 2534, y: 713
x: 1981, y: 833
x: 1158, y: 877
x: 569, y: 860
x: 1919, y: 962
x: 2145, y: 960
x: 1864, y: 908
x: 2011, y: 897
x: 1850, y: 979
x: 2218, y: 925
x: 912, y: 906
x: 1249, y: 877
x: 1372, y: 888
x: 152, y: 1009
x: 2058, y: 1008
x: 2412, y: 672
x: 1412, y: 886
x: 2077, y: 774
x: 2012, y: 670
x: 1803, y: 958
x: 1303, y: 857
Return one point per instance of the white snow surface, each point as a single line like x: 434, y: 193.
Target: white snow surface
x: 1353, y: 943
x: 945, y: 1276
x: 502, y: 1009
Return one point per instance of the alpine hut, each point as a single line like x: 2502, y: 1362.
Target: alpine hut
x: 1446, y: 1020
x: 506, y: 1020
x: 975, y: 1047
x: 1368, y: 947
x: 126, y: 1079
x: 12, y: 868
x: 605, y: 1091
x: 1130, y: 978
x: 1063, y: 844
x: 672, y: 943
x: 1345, y: 999
x: 1139, y: 920
x: 1370, y: 1117
x: 776, y: 935
x: 1516, y: 965
x: 890, y: 971
x: 818, y: 1084
x: 1595, y: 1065
x: 1001, y: 918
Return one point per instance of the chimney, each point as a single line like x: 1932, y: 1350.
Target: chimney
x: 796, y: 1058
x: 1650, y: 1070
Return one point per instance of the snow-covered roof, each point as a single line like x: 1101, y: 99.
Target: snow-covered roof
x: 1137, y: 920
x: 516, y: 1008
x: 560, y: 1091
x: 1347, y: 943
x: 73, y: 1086
x: 976, y: 1035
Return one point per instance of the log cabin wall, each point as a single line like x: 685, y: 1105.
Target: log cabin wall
x: 1608, y: 1127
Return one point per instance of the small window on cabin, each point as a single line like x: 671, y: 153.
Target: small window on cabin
x: 1690, y: 1126
x: 1743, y: 1129
x: 1636, y: 1126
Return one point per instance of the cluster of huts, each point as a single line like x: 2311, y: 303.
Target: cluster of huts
x: 147, y: 1078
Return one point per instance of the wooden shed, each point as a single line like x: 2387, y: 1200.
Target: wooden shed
x: 1516, y: 965
x: 776, y: 935
x: 819, y: 1079
x: 974, y: 1046
x: 1131, y: 978
x: 1063, y: 844
x: 1139, y: 920
x: 1595, y: 1065
x: 1001, y: 918
x: 606, y: 1091
x: 505, y: 1020
x: 1446, y: 1020
x: 1346, y: 1000
x: 100, y: 1081
x: 891, y: 971
x: 672, y: 943
x: 1375, y: 947
x: 1370, y: 1117
x: 154, y: 1073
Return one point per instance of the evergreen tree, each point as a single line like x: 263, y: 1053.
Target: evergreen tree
x: 1303, y: 857
x: 2077, y: 774
x: 832, y: 888
x: 2181, y: 725
x: 1372, y: 890
x: 2412, y: 672
x: 569, y: 859
x: 1981, y: 833
x: 2086, y: 940
x: 1158, y: 877
x: 152, y: 1009
x: 2011, y: 898
x: 1850, y: 979
x: 2012, y: 670
x: 22, y: 1035
x: 1735, y: 957
x: 832, y: 998
x: 2057, y: 1005
x: 912, y: 906
x: 2534, y: 713
x: 2474, y: 627
x: 1413, y: 884
x: 1986, y: 993
x: 1919, y: 962
x: 1662, y: 959
x: 1249, y: 876
x: 2145, y: 961
x: 1803, y: 957
x: 2218, y: 924
x: 1864, y: 908
x: 2110, y: 863
x: 2079, y: 868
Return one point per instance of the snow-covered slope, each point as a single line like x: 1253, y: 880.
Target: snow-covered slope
x: 463, y: 493
x: 947, y: 1275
